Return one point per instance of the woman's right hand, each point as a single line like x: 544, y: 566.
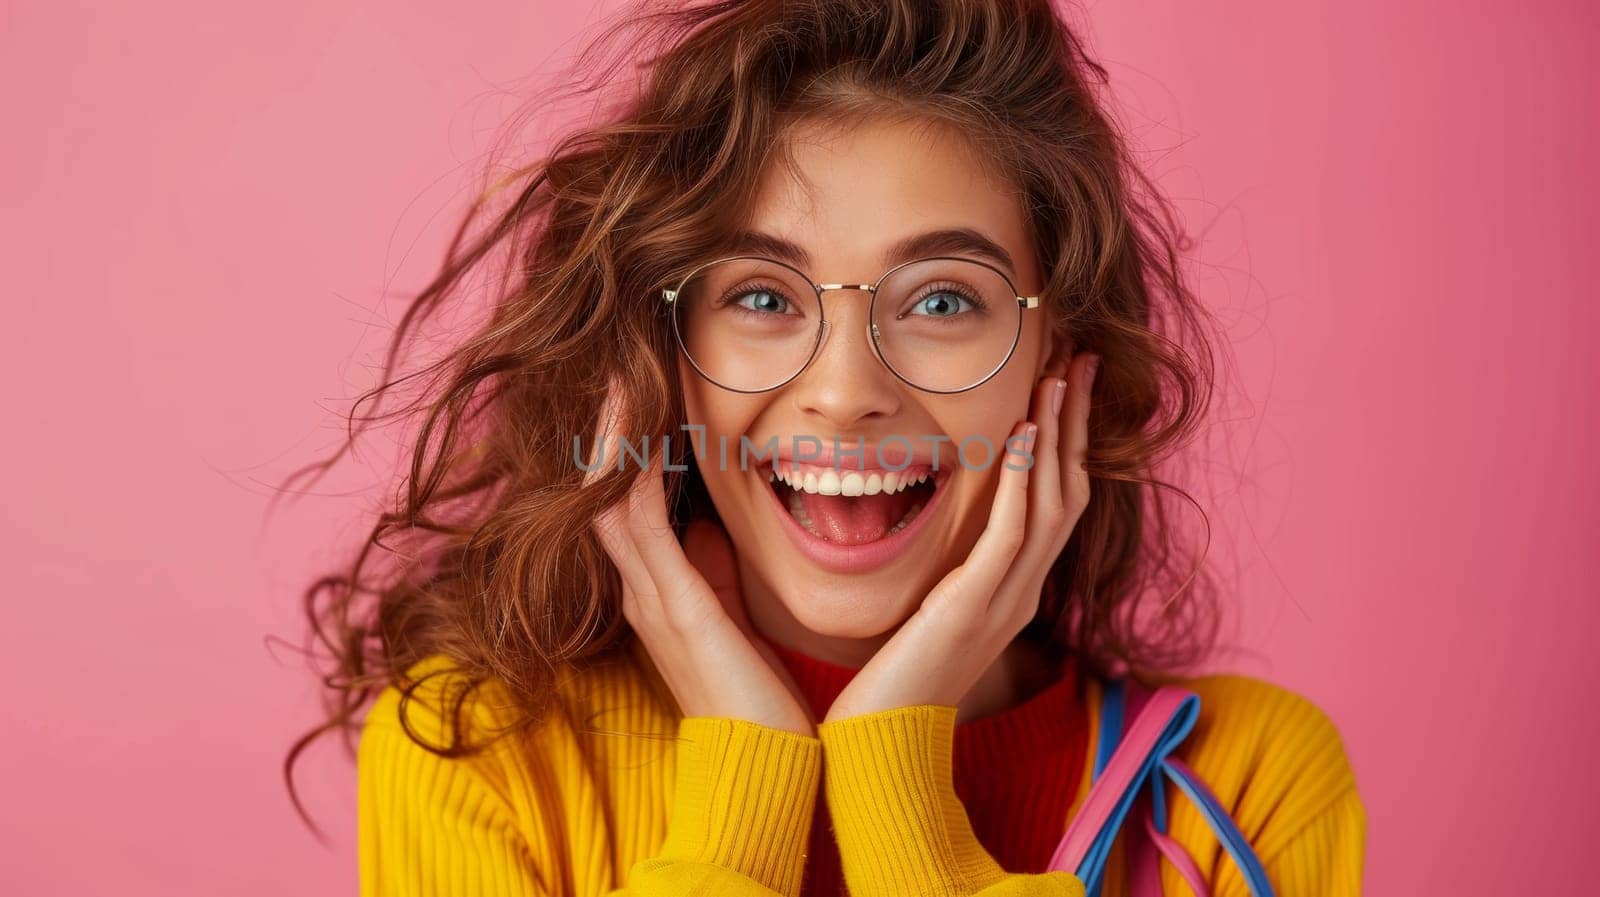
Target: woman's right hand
x: 683, y: 602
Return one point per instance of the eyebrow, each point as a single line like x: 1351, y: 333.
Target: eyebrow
x: 959, y: 241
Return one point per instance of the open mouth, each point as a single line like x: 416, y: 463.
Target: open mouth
x: 853, y: 507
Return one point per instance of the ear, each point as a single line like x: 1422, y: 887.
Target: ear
x: 1059, y: 357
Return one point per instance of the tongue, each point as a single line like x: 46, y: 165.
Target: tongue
x: 853, y: 521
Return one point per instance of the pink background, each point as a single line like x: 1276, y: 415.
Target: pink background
x: 203, y: 203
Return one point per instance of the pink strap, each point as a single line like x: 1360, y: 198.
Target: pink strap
x: 1150, y: 712
x: 1144, y: 862
x: 1140, y: 739
x: 1147, y: 880
x: 1145, y: 853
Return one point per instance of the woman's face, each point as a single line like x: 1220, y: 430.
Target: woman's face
x: 853, y: 567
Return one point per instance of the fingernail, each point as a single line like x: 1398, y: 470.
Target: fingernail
x: 1056, y: 395
x: 1033, y: 430
x: 1089, y: 370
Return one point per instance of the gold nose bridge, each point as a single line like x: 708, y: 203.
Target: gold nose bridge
x: 869, y: 288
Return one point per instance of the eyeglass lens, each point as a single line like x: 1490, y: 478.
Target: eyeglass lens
x: 753, y: 324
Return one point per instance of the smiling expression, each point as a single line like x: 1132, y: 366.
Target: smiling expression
x: 832, y: 556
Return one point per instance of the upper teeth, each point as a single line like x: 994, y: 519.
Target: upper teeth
x: 849, y: 482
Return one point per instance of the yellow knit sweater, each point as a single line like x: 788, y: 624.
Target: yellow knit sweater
x: 614, y: 793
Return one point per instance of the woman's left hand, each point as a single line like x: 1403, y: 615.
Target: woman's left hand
x: 969, y: 618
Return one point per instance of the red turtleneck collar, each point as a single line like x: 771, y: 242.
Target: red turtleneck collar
x: 1016, y: 771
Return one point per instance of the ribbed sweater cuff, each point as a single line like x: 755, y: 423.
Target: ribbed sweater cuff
x: 744, y: 799
x: 900, y: 826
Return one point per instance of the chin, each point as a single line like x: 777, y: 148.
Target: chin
x: 851, y: 611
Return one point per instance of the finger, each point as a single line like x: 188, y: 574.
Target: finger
x: 1047, y: 523
x: 1044, y: 484
x: 607, y: 434
x: 1075, y: 439
x: 612, y: 532
x: 610, y: 524
x: 675, y: 579
x: 1054, y: 514
x: 647, y: 504
x: 619, y: 534
x: 997, y: 547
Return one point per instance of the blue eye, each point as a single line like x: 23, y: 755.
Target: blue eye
x: 942, y: 304
x: 763, y: 301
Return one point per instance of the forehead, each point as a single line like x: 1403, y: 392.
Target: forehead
x: 848, y: 193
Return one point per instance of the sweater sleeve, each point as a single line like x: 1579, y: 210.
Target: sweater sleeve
x: 1278, y: 764
x: 900, y: 826
x: 1325, y: 858
x: 741, y: 813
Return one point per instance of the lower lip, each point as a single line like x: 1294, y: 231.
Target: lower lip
x: 850, y: 558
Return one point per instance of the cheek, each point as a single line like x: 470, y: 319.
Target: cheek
x: 725, y: 417
x: 706, y: 406
x: 716, y: 413
x: 982, y: 422
x: 996, y: 407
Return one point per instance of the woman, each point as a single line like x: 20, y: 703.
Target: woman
x: 895, y: 336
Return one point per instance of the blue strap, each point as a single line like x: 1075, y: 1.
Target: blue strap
x: 1110, y: 726
x: 1233, y: 840
x: 1092, y: 870
x: 1111, y: 705
x: 1153, y: 774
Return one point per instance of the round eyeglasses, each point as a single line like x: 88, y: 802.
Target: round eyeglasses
x: 942, y: 325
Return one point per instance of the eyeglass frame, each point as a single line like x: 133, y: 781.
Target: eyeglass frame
x: 670, y: 296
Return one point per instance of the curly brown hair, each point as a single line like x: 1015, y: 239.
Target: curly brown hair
x: 485, y: 557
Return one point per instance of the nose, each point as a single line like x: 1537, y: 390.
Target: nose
x: 846, y: 384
